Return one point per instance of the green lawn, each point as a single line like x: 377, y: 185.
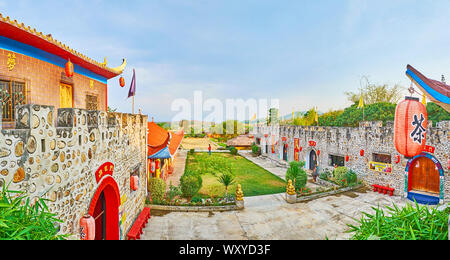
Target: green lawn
x: 254, y: 180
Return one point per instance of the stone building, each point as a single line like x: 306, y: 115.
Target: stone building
x: 369, y: 150
x: 32, y: 71
x: 80, y: 160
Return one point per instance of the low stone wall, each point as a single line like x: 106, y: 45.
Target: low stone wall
x: 326, y: 194
x: 194, y: 208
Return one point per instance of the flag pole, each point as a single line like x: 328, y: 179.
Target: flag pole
x: 133, y: 101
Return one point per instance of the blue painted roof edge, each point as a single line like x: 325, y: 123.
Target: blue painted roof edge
x: 28, y: 50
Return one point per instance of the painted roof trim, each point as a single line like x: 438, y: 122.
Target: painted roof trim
x: 25, y: 34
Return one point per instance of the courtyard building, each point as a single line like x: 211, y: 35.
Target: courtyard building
x: 32, y: 71
x: 368, y: 150
x: 59, y: 143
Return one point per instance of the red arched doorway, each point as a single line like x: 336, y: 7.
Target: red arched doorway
x: 105, y: 210
x: 424, y: 176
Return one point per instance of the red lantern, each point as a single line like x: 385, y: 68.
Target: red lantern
x: 318, y: 152
x: 286, y: 146
x: 347, y: 158
x: 87, y: 228
x: 134, y: 182
x: 69, y: 69
x: 122, y: 82
x: 361, y: 152
x: 301, y: 148
x: 410, y: 128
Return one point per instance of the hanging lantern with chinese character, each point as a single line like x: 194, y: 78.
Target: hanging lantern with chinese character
x: 87, y: 228
x: 122, y: 82
x: 410, y: 128
x: 347, y: 158
x: 69, y: 69
x: 361, y: 152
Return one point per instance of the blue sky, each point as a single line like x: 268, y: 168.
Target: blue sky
x: 304, y: 53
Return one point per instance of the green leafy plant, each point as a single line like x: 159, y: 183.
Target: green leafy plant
x: 340, y: 173
x: 190, y: 184
x: 227, y: 179
x: 233, y: 151
x: 351, y: 177
x: 297, y: 174
x: 256, y: 150
x: 22, y: 220
x: 408, y: 223
x: 173, y: 192
x: 157, y: 189
x: 326, y: 175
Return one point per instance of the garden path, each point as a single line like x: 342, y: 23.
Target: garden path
x: 270, y: 218
x: 179, y: 163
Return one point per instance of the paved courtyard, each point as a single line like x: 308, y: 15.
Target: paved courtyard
x: 270, y: 218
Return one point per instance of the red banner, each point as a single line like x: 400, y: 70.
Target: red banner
x: 312, y: 143
x: 105, y: 169
x: 297, y: 149
x: 429, y: 149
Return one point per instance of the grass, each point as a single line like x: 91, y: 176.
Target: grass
x: 255, y: 180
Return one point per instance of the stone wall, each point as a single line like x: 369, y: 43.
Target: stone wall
x: 56, y: 156
x: 372, y: 137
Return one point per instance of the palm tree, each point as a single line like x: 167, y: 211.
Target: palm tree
x: 227, y: 180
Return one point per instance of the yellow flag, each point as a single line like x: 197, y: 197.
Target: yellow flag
x: 254, y: 117
x: 361, y: 102
x: 424, y: 100
x: 317, y: 116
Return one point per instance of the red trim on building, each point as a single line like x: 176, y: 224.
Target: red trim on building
x: 17, y: 34
x: 109, y: 188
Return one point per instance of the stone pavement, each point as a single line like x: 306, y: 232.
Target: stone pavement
x: 270, y: 218
x: 179, y: 164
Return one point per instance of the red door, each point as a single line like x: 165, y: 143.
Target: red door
x: 424, y: 176
x: 105, y: 210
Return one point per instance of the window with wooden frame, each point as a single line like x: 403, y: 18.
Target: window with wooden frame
x: 382, y: 158
x: 65, y: 96
x: 91, y: 102
x: 12, y: 93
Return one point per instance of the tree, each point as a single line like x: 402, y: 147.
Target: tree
x: 227, y: 180
x: 377, y: 94
x: 436, y: 113
x: 297, y: 174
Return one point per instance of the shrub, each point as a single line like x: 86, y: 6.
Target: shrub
x: 256, y: 150
x: 297, y: 174
x: 351, y: 177
x: 190, y: 184
x: 173, y: 192
x: 191, y: 151
x: 325, y: 175
x: 157, y: 189
x: 340, y: 173
x: 233, y: 151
